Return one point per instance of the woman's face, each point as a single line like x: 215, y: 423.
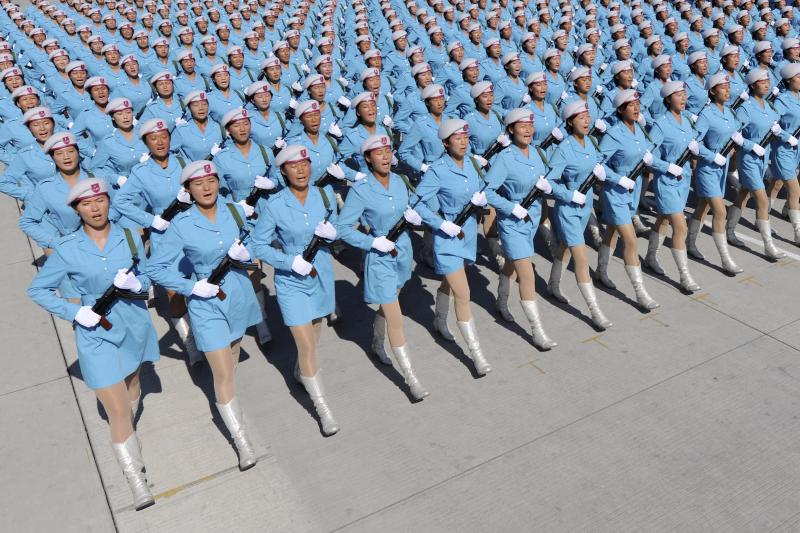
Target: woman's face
x: 262, y: 100
x: 522, y: 133
x: 760, y: 88
x: 538, y: 90
x: 435, y: 105
x: 28, y: 101
x: 41, y: 129
x: 94, y: 211
x: 367, y: 112
x: 583, y: 84
x: 580, y: 123
x: 297, y: 173
x: 199, y: 110
x: 239, y: 131
x: 677, y: 101
x: 204, y: 190
x: 164, y: 88
x: 630, y: 111
x: 123, y: 119
x: 311, y: 121
x: 457, y: 145
x: 793, y: 83
x: 66, y: 159
x: 721, y: 92
x: 484, y: 101
x: 380, y: 160
x: 158, y: 143
x: 99, y: 94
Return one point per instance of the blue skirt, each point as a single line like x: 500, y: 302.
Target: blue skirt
x: 303, y: 299
x: 516, y: 236
x: 384, y: 275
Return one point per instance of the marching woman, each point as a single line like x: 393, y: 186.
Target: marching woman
x: 206, y: 233
x: 672, y: 134
x: 305, y: 289
x: 624, y: 145
x: 758, y: 118
x: 96, y: 256
x: 31, y: 164
x: 576, y: 159
x: 266, y: 125
x: 545, y: 114
x: 118, y: 152
x: 715, y: 126
x: 785, y: 158
x: 197, y: 137
x: 366, y: 110
x: 450, y: 184
x: 380, y: 201
x: 515, y: 172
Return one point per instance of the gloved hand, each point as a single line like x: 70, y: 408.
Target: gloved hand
x: 480, y: 160
x: 759, y: 150
x: 599, y: 90
x: 479, y: 199
x: 159, y: 224
x: 344, y: 82
x: 86, y: 317
x: 382, y: 244
x: 204, y: 289
x: 344, y: 102
x: 526, y: 99
x: 543, y: 185
x: 601, y: 125
x: 737, y: 138
x: 293, y: 103
x: 296, y: 87
x: 121, y: 180
x: 334, y: 130
x: 238, y: 252
x: 578, y: 197
x: 694, y: 147
x: 301, y: 266
x: 563, y: 96
x: 626, y: 183
x: 424, y: 167
x: 180, y: 121
x: 792, y: 140
x: 264, y: 183
x: 144, y: 157
x: 183, y: 196
x: 325, y: 230
x: 412, y: 217
x: 776, y: 129
x: 693, y: 117
x: 127, y: 281
x: 503, y: 140
x: 641, y: 120
x: 603, y: 67
x: 280, y: 144
x: 675, y: 170
x: 634, y: 83
x: 359, y: 176
x: 557, y: 134
x: 599, y: 172
x: 248, y: 209
x: 305, y: 68
x: 388, y: 122
x: 335, y: 170
x: 776, y: 91
x: 215, y: 149
x: 519, y: 211
x: 720, y: 160
x: 744, y: 96
x: 648, y: 158
x: 450, y: 228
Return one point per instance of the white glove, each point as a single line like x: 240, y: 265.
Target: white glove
x: 578, y: 197
x: 183, y: 196
x: 326, y: 230
x: 312, y: 42
x: 159, y: 224
x: 450, y: 228
x: 557, y: 134
x: 264, y: 183
x: 744, y: 96
x: 301, y: 266
x: 388, y: 122
x: 304, y: 67
x: 503, y: 140
x: 145, y: 156
x: 720, y: 160
x: 648, y: 158
x: 634, y: 83
x: 215, y: 149
x: 70, y: 124
x: 480, y: 160
x: 359, y: 176
x: 344, y: 102
x: 626, y: 183
x: 776, y: 91
x: 280, y: 144
x: 603, y: 66
x: 526, y: 99
x: 737, y: 138
x: 693, y: 117
x: 598, y: 90
x: 479, y: 199
x: 204, y: 289
x: 564, y: 95
x: 412, y: 217
x: 343, y: 81
x: 382, y: 244
x: 675, y: 170
x: 641, y: 120
x: 335, y: 170
x: 424, y: 167
x: 758, y: 150
x: 599, y: 172
x: 238, y: 252
x: 776, y: 129
x: 746, y: 63
x: 293, y: 103
x: 694, y: 147
x: 792, y: 140
x: 127, y: 280
x: 121, y: 180
x: 519, y: 211
x: 297, y: 87
x: 543, y: 185
x: 86, y: 317
x: 248, y: 209
x: 180, y: 121
x: 334, y: 130
x: 601, y: 125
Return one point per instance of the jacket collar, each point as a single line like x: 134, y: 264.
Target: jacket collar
x: 115, y: 237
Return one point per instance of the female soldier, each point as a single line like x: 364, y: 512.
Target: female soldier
x: 31, y: 164
x: 294, y: 216
x: 97, y: 255
x: 514, y: 173
x: 266, y: 126
x: 421, y: 146
x: 93, y: 123
x: 758, y: 118
x: 379, y: 201
x: 623, y: 146
x: 198, y: 137
x: 574, y: 161
x: 786, y: 157
x: 119, y: 152
x: 715, y: 126
x: 450, y: 184
x: 544, y: 114
x: 205, y: 234
x: 366, y: 108
x: 167, y: 105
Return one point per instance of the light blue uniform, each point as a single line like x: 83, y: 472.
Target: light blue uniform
x: 623, y: 150
x: 116, y: 155
x: 265, y: 130
x: 483, y: 131
x: 30, y: 166
x: 445, y: 189
x: 149, y: 190
x: 216, y: 323
x: 714, y: 129
x: 671, y: 138
x: 379, y: 208
x: 159, y: 109
x: 105, y: 357
x: 238, y: 171
x: 756, y: 121
x: 421, y: 144
x: 283, y: 218
x: 511, y: 177
x: 193, y: 143
x: 785, y: 160
x: 219, y: 103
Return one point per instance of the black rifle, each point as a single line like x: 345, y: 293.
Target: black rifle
x: 399, y: 228
x: 493, y: 150
x: 529, y: 199
x: 766, y: 140
x: 255, y: 195
x: 684, y: 158
x: 737, y: 103
x: 224, y: 266
x: 468, y: 210
x: 314, y: 245
x: 173, y: 209
x: 589, y: 182
x: 103, y: 304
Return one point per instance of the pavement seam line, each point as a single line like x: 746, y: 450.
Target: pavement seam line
x: 33, y: 386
